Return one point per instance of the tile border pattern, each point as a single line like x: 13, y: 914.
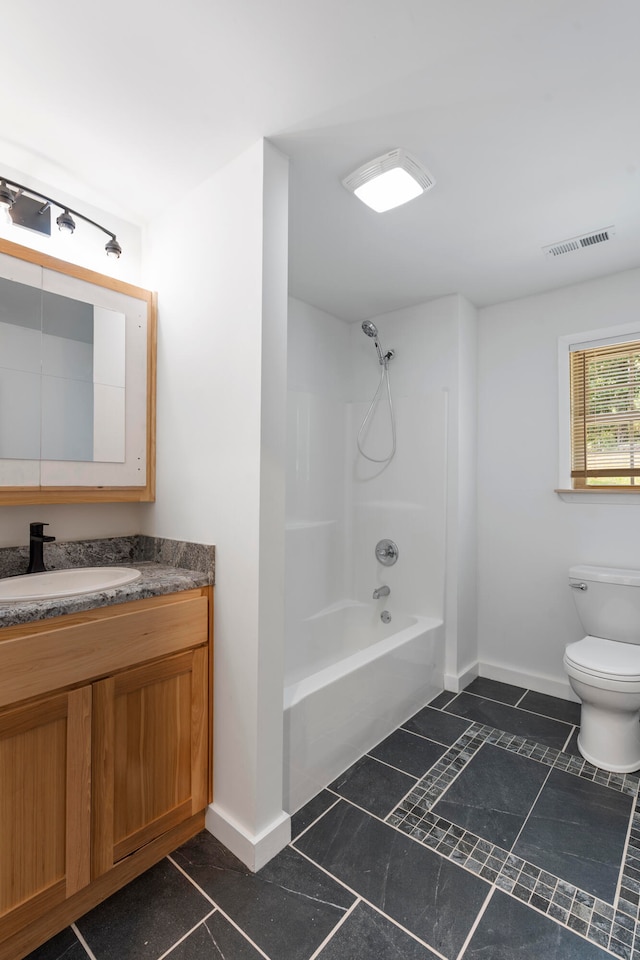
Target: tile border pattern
x: 614, y: 927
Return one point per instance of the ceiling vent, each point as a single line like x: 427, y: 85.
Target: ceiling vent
x: 579, y: 243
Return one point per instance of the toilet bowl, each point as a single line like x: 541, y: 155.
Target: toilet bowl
x: 604, y: 667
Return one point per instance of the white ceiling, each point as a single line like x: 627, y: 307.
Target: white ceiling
x: 526, y: 112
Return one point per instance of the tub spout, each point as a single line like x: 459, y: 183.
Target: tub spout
x: 381, y: 592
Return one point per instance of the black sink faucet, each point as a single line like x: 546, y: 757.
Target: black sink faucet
x: 36, y: 539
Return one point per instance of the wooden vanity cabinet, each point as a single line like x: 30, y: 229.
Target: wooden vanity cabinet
x: 45, y: 804
x: 101, y: 779
x: 149, y: 754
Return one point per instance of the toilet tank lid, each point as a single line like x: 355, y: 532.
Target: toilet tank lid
x: 622, y: 575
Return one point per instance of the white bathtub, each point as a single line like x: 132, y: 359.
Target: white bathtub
x: 350, y: 680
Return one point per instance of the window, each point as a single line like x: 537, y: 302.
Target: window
x: 605, y: 415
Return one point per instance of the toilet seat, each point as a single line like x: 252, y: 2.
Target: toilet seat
x: 608, y: 660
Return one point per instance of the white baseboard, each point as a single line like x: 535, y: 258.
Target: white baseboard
x: 537, y: 682
x: 495, y: 671
x: 455, y: 682
x: 255, y: 850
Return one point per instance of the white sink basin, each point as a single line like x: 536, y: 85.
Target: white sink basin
x: 64, y: 583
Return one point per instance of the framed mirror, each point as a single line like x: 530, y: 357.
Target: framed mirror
x: 77, y: 383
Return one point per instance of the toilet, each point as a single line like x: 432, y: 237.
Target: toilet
x: 604, y: 667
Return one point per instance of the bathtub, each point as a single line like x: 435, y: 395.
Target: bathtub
x: 350, y: 680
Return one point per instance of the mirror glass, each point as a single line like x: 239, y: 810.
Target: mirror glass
x: 62, y: 377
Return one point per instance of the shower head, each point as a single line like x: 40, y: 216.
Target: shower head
x: 372, y: 331
x: 369, y: 328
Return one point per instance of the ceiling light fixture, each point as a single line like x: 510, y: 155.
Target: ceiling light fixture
x: 389, y: 181
x: 28, y: 208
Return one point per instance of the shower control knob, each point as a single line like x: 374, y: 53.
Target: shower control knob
x: 387, y: 552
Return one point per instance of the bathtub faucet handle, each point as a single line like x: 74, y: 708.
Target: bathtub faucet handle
x: 381, y: 592
x: 387, y: 552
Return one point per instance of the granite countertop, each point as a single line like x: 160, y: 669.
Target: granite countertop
x: 152, y: 557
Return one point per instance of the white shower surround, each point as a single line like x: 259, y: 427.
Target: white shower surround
x: 338, y: 507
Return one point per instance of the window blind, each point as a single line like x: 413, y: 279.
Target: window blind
x: 605, y: 415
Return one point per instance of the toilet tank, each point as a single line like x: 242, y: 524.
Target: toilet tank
x: 608, y: 601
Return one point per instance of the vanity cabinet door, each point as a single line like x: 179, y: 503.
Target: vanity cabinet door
x: 150, y: 753
x: 45, y: 805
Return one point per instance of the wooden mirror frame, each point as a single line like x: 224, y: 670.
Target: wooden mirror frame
x: 18, y: 495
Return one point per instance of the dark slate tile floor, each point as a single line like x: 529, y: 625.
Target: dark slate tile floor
x: 474, y: 831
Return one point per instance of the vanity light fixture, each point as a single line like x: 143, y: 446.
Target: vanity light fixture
x: 66, y: 223
x: 31, y: 209
x: 389, y: 181
x: 113, y: 248
x: 7, y: 198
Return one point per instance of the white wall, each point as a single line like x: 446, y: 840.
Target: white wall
x: 218, y: 260
x: 219, y: 263
x: 528, y: 535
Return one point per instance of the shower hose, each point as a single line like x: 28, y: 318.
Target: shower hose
x: 384, y: 377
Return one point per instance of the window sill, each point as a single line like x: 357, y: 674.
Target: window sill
x: 599, y: 496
